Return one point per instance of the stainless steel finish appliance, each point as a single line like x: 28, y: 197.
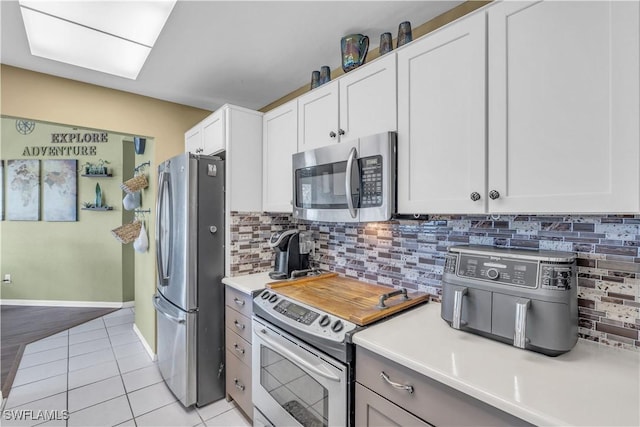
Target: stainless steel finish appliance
x: 352, y: 181
x: 302, y: 363
x: 526, y: 298
x: 292, y: 249
x: 190, y: 261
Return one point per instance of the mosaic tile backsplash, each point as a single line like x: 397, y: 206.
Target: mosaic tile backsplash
x: 411, y: 254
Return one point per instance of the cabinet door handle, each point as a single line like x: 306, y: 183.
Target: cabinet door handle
x: 238, y: 301
x: 238, y: 325
x: 475, y: 196
x: 238, y: 384
x: 408, y: 388
x: 332, y: 134
x: 493, y: 195
x: 238, y: 348
x: 340, y: 132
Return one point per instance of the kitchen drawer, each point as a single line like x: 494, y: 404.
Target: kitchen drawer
x: 238, y: 346
x: 430, y: 400
x: 239, y: 324
x: 239, y: 301
x: 375, y: 411
x: 238, y: 378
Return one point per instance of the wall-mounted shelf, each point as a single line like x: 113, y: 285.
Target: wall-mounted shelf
x: 97, y: 175
x: 103, y: 208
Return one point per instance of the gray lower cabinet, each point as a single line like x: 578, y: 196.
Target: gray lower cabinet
x: 390, y: 394
x: 238, y: 348
x: 373, y: 410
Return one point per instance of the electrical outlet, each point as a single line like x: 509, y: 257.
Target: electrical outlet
x: 7, y: 278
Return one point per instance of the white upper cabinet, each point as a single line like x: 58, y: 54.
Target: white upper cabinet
x: 368, y: 99
x: 360, y: 103
x: 207, y: 137
x: 213, y: 139
x: 441, y: 120
x: 564, y: 107
x: 318, y: 117
x: 193, y: 139
x: 536, y: 113
x: 280, y: 142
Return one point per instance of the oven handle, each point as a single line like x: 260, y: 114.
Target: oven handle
x: 347, y: 182
x: 296, y: 358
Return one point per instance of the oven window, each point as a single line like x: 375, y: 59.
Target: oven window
x: 321, y: 187
x: 299, y: 394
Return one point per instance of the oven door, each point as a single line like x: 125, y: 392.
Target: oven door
x: 295, y: 384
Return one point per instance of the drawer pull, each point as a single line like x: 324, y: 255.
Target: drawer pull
x: 385, y: 377
x: 238, y: 384
x: 238, y: 348
x: 238, y: 325
x: 238, y: 301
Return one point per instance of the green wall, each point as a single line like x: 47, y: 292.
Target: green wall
x: 70, y: 261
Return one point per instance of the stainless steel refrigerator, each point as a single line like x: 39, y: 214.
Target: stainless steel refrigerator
x: 190, y: 295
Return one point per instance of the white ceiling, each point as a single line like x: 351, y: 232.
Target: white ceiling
x: 248, y: 53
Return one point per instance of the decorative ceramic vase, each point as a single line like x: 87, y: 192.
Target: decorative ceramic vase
x: 354, y: 51
x: 404, y: 33
x: 325, y: 74
x: 98, y: 196
x: 138, y: 144
x: 315, y: 79
x: 386, y: 44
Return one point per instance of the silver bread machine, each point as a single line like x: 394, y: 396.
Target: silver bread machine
x: 526, y: 298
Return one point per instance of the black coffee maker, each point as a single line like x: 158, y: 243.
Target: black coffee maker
x: 290, y: 254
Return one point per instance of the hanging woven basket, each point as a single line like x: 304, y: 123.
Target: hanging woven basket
x: 127, y: 233
x: 134, y: 184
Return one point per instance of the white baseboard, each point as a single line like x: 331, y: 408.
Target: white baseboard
x: 145, y: 344
x: 58, y: 303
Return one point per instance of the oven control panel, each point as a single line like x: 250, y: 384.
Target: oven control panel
x: 303, y: 317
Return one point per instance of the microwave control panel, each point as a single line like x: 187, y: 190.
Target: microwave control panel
x: 371, y: 181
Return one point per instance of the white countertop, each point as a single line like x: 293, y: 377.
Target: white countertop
x: 592, y: 385
x: 248, y: 283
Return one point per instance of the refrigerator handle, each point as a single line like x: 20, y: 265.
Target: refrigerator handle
x: 163, y: 189
x: 164, y: 313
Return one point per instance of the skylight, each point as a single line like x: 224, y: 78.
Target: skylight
x: 113, y: 37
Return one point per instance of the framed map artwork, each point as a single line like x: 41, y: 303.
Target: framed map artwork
x: 60, y: 190
x: 23, y: 190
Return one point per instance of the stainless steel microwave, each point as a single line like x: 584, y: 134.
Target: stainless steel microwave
x: 353, y: 181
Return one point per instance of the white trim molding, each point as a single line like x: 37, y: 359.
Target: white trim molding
x: 58, y: 303
x: 145, y: 344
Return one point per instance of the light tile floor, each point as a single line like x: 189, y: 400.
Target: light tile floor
x: 101, y: 375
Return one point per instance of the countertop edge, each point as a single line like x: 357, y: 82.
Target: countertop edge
x: 249, y: 283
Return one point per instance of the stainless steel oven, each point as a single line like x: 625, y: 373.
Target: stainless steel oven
x: 352, y: 181
x: 295, y: 384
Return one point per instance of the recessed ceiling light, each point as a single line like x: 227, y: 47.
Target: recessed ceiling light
x: 113, y: 37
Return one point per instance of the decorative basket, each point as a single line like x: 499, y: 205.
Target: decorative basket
x: 127, y: 233
x: 134, y: 184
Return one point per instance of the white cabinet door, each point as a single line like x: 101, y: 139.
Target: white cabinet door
x: 441, y: 120
x: 213, y: 138
x: 564, y: 106
x: 368, y: 99
x: 193, y: 139
x: 280, y: 142
x: 318, y: 117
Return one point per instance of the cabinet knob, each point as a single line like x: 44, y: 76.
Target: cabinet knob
x: 340, y: 132
x: 332, y: 134
x: 475, y: 196
x: 493, y: 194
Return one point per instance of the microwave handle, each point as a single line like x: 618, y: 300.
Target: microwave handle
x: 347, y: 181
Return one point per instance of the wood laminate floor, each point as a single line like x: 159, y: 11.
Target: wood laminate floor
x: 21, y: 325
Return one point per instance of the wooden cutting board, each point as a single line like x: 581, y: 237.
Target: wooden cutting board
x: 348, y: 299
